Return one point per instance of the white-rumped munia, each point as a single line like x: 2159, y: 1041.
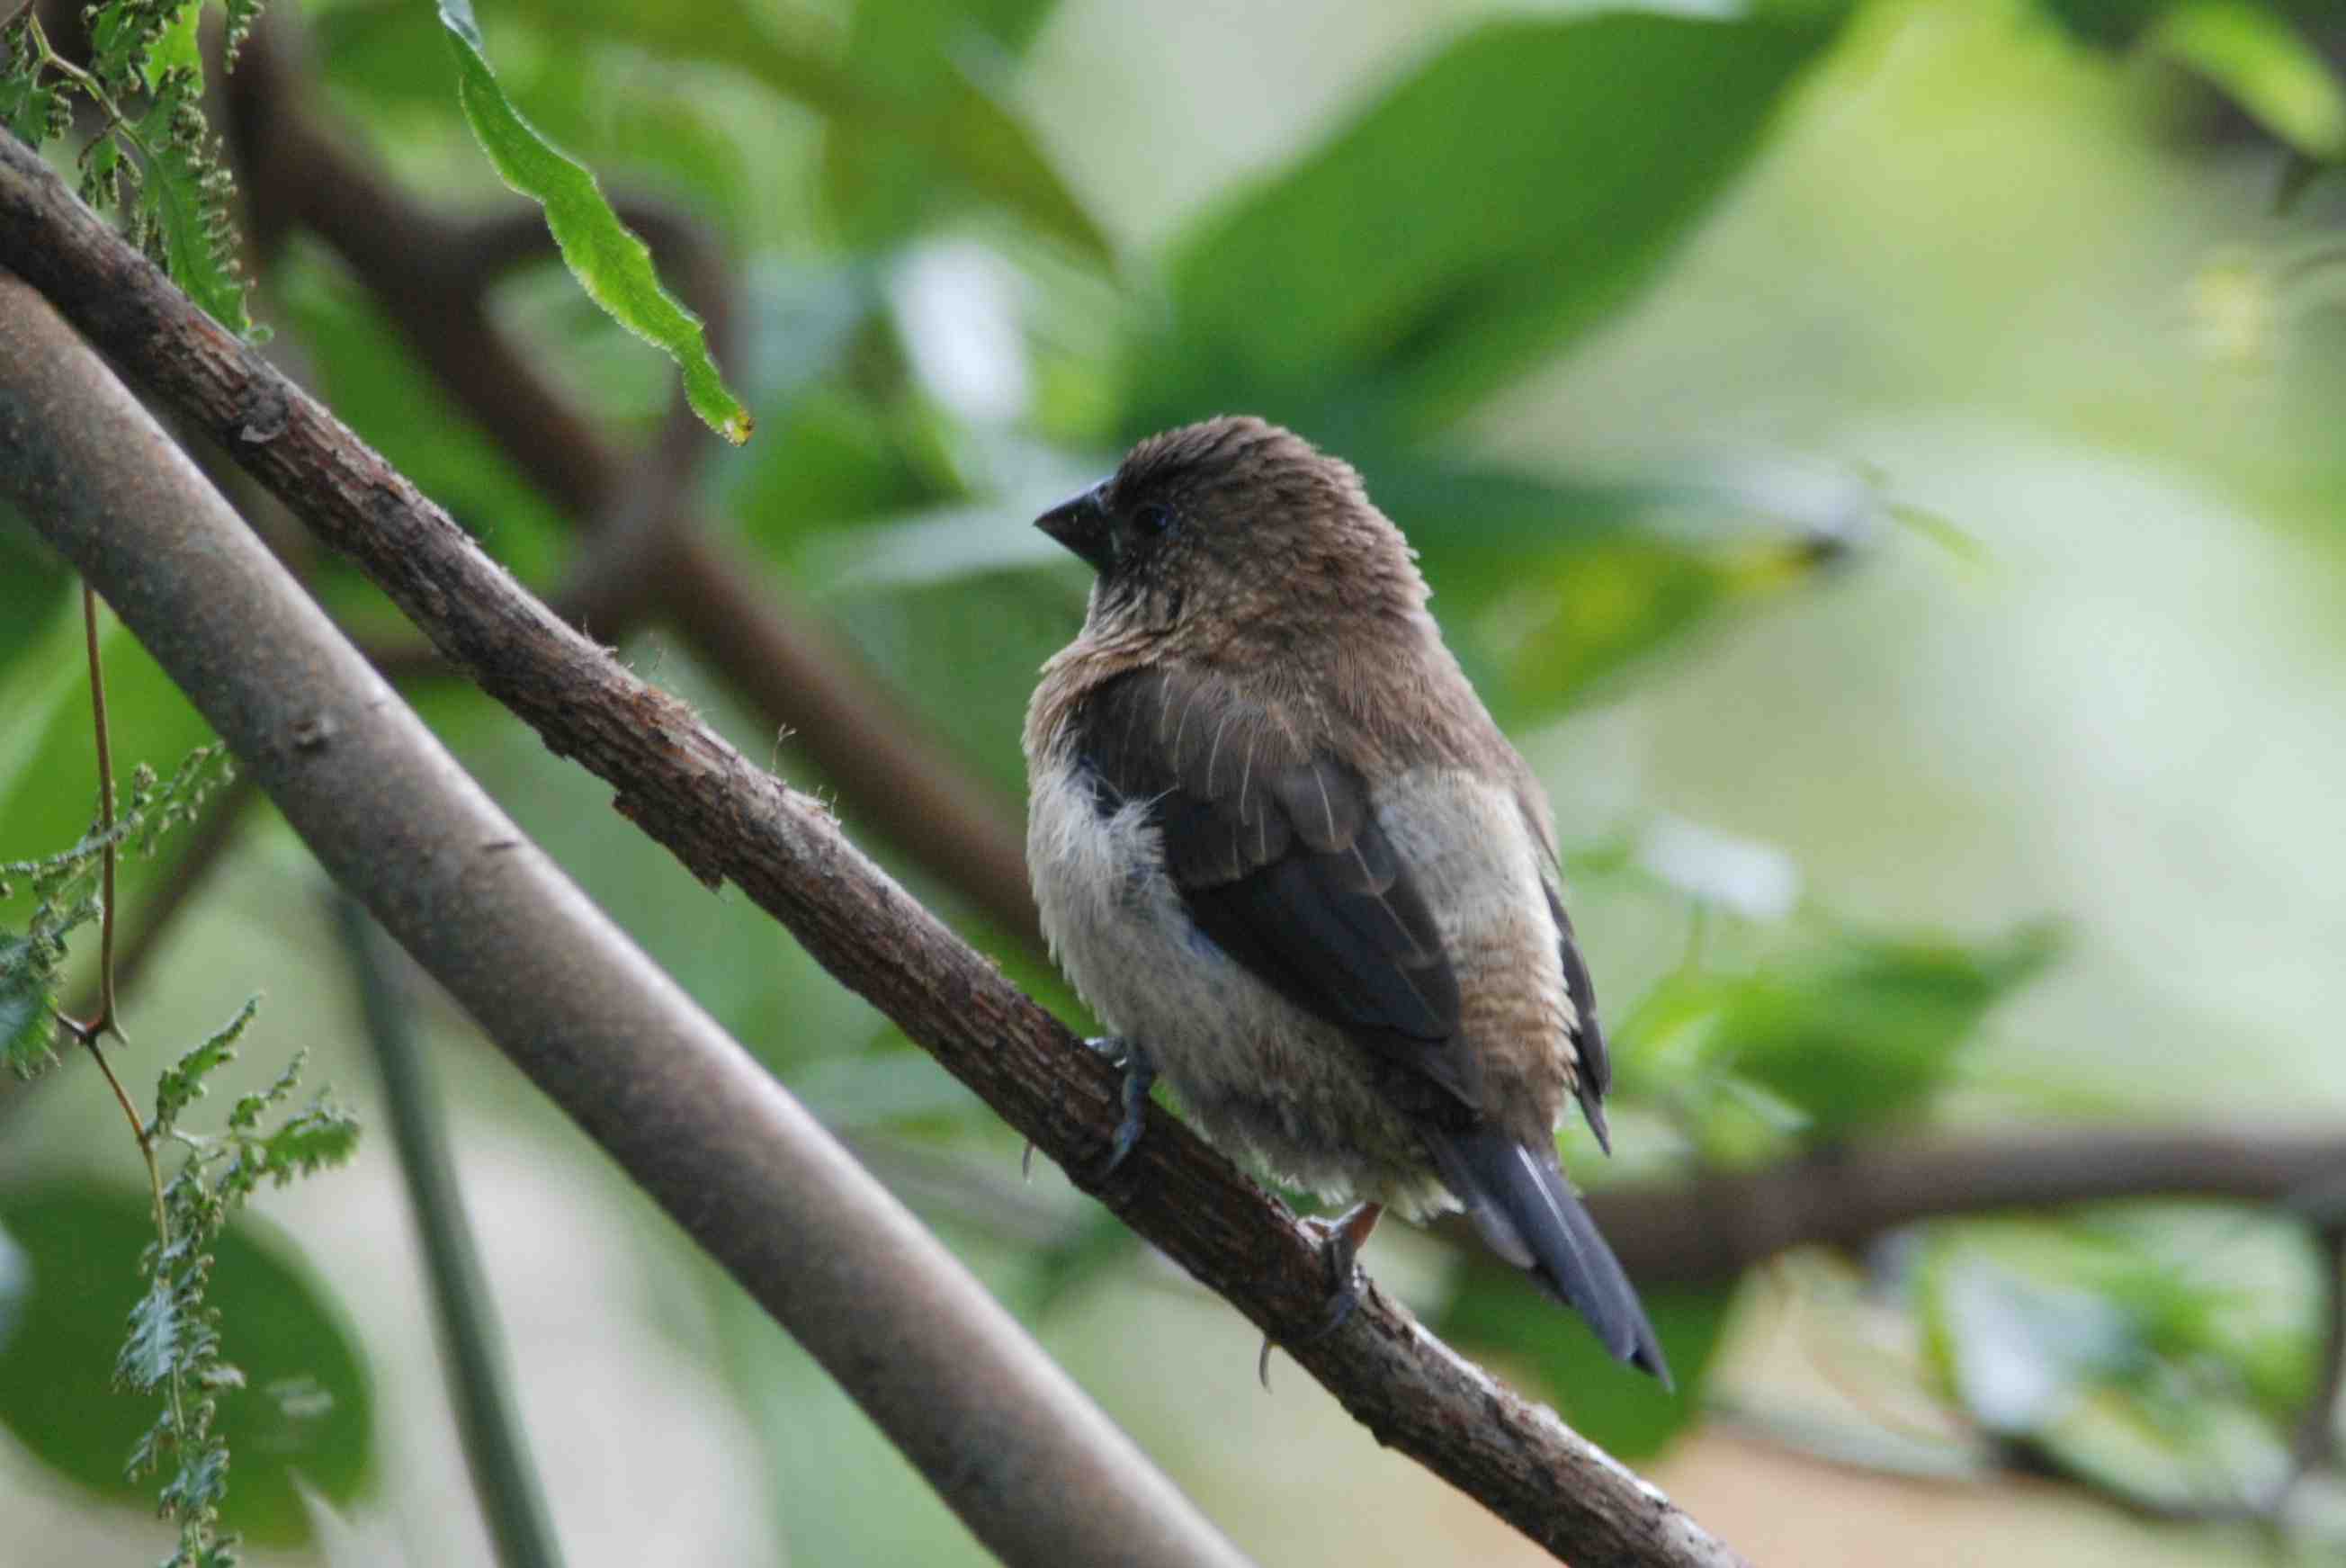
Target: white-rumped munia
x: 1285, y: 854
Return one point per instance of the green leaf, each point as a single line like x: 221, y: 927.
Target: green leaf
x: 1504, y: 198
x: 184, y: 190
x: 371, y: 376
x: 27, y: 1020
x: 613, y: 265
x: 956, y: 121
x: 928, y: 57
x: 31, y: 106
x: 1549, y: 590
x: 1622, y: 1410
x: 2265, y: 66
x: 69, y: 1273
x: 1865, y: 1030
x: 2161, y: 1353
x: 181, y: 1084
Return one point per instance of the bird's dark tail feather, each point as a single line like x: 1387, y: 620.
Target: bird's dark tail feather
x: 1519, y: 1200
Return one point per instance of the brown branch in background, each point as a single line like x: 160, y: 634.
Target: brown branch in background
x: 654, y: 555
x: 1007, y: 1439
x: 725, y: 818
x: 1711, y: 1230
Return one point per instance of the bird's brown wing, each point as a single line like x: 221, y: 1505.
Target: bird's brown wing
x: 1281, y: 863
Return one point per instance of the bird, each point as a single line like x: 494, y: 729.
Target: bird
x: 1283, y: 853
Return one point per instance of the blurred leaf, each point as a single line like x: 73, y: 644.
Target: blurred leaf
x: 1866, y: 1030
x: 33, y: 585
x: 27, y: 1026
x: 612, y: 265
x: 1504, y: 196
x: 836, y: 460
x: 2266, y: 66
x: 1621, y: 1410
x: 956, y: 123
x: 371, y: 376
x: 911, y: 53
x: 1101, y: 1246
x: 2135, y: 1351
x: 49, y: 770
x: 69, y: 1273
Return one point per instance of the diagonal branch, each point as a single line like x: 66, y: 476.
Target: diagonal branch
x: 1029, y: 1463
x: 654, y: 554
x: 725, y: 819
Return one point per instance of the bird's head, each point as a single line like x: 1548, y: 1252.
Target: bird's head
x: 1234, y: 529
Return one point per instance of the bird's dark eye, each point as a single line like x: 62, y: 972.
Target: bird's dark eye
x: 1152, y: 518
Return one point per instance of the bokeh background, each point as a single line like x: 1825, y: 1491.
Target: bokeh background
x: 1881, y: 461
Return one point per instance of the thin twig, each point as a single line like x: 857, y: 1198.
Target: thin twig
x: 105, y: 1021
x: 93, y: 1034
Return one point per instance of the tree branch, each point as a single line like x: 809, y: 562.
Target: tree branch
x: 1711, y: 1230
x: 724, y: 817
x: 430, y: 274
x: 1029, y: 1463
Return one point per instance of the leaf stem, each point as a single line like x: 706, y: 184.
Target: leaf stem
x: 106, y: 1021
x: 94, y: 1032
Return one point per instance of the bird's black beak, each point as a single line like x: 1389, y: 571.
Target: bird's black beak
x: 1081, y: 524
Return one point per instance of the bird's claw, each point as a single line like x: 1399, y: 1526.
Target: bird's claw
x: 1341, y: 1240
x: 1139, y: 1077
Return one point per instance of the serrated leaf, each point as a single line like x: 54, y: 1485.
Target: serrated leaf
x: 184, y: 190
x: 27, y: 1026
x: 163, y: 1335
x: 182, y: 1083
x: 609, y: 261
x: 1507, y: 195
x: 323, y: 1135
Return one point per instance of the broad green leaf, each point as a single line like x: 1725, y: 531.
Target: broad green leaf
x: 1506, y: 196
x: 613, y: 265
x: 1549, y: 589
x: 1865, y: 1030
x: 910, y: 54
x: 960, y: 126
x: 68, y: 1279
x: 372, y: 377
x: 1618, y: 1407
x: 34, y: 588
x: 2263, y: 65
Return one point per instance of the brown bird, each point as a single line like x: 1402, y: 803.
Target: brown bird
x: 1283, y: 851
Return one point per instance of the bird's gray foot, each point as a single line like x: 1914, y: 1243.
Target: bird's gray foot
x: 1341, y: 1240
x: 1139, y: 1077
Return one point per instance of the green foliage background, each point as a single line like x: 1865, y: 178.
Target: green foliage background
x: 1878, y: 460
